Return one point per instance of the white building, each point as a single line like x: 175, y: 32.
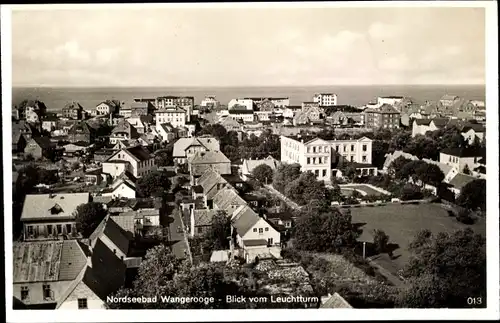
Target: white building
x: 177, y: 117
x: 209, y: 101
x: 391, y: 100
x: 320, y: 156
x: 325, y: 99
x: 136, y: 160
x: 458, y: 158
x: 246, y: 103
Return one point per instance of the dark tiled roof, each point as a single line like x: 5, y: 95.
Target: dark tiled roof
x: 245, y: 221
x: 440, y: 122
x: 460, y: 180
x: 139, y: 152
x: 463, y: 152
x: 285, y: 216
x: 43, y: 142
x: 197, y: 189
x: 72, y: 260
x: 115, y: 234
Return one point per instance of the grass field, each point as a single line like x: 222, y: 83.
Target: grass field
x: 368, y: 190
x: 401, y: 223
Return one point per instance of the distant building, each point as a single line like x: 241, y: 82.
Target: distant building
x: 177, y: 117
x: 184, y: 148
x: 390, y: 100
x: 325, y: 99
x: 209, y: 102
x: 472, y: 131
x: 73, y: 110
x: 106, y: 108
x: 241, y: 104
x: 275, y: 102
x: 123, y: 131
x: 309, y: 115
x: 203, y: 160
x: 136, y: 160
x: 169, y: 102
x: 306, y: 105
x: 81, y: 132
x: 250, y: 164
x: 166, y: 132
x: 142, y: 122
x: 386, y: 117
x: 242, y: 114
x: 448, y: 100
x: 39, y: 147
x: 139, y: 109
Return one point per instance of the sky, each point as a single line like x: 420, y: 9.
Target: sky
x: 248, y: 46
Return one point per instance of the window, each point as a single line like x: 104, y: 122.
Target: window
x: 364, y: 147
x: 82, y: 303
x: 364, y: 159
x: 308, y: 160
x: 49, y: 229
x: 316, y: 172
x: 267, y: 229
x: 324, y: 172
x: 114, y: 251
x: 261, y: 230
x: 352, y: 158
x: 24, y: 292
x: 47, y: 292
x: 337, y: 148
x: 352, y: 147
x: 254, y: 229
x: 30, y: 229
x: 270, y: 241
x: 345, y: 148
x: 68, y: 228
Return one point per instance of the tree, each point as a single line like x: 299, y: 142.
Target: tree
x: 220, y: 230
x: 263, y: 173
x: 429, y: 174
x: 153, y: 184
x: 216, y: 130
x: 410, y: 192
x: 466, y: 170
x: 445, y: 270
x: 284, y: 175
x: 349, y: 172
x: 323, y: 228
x: 397, y: 164
x: 164, y: 158
x: 307, y: 188
x: 75, y: 165
x: 380, y: 240
x: 379, y: 150
x: 473, y: 195
x: 88, y: 217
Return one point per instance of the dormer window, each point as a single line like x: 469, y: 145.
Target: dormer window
x: 56, y: 209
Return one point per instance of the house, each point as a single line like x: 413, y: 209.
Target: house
x: 422, y: 126
x: 308, y: 115
x: 125, y: 144
x: 106, y: 108
x: 123, y: 187
x: 249, y: 165
x: 253, y: 234
x: 40, y: 147
x: 176, y: 116
x: 231, y: 124
x: 459, y: 158
x: 48, y: 216
x: 94, y: 176
x: 123, y: 131
x: 390, y: 100
x: 323, y: 157
x: 340, y: 118
x: 241, y: 104
x: 385, y: 116
x: 459, y: 181
x: 290, y: 111
x: 241, y: 114
x: 187, y: 147
x: 186, y: 103
x: 448, y: 100
x: 209, y: 102
x: 125, y: 111
x: 220, y: 256
x: 81, y: 132
x: 136, y: 160
x: 166, y: 132
x: 281, y: 220
x: 73, y: 110
x: 49, y: 123
x: 200, y: 221
x: 203, y: 160
x: 269, y: 103
x: 472, y: 131
x: 325, y: 99
x: 141, y: 123
x: 228, y: 200
x: 139, y: 109
x: 211, y: 182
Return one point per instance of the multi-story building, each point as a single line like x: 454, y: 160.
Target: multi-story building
x: 73, y: 110
x: 458, y: 158
x: 386, y: 116
x: 177, y: 117
x: 325, y: 99
x: 323, y: 156
x: 448, y: 100
x: 276, y: 102
x: 309, y: 104
x: 391, y: 100
x: 184, y: 102
x: 246, y: 104
x: 105, y: 108
x: 209, y: 102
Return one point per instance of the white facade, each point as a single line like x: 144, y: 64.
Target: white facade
x: 176, y: 117
x: 246, y: 117
x: 471, y: 134
x: 261, y: 230
x: 325, y: 99
x: 388, y: 100
x: 209, y: 101
x: 316, y: 155
x: 459, y: 162
x: 103, y: 109
x: 137, y: 168
x: 122, y: 190
x: 247, y: 103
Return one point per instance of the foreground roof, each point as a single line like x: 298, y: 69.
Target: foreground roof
x: 52, y: 206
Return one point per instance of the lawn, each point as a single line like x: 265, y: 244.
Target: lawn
x: 368, y: 190
x: 401, y: 223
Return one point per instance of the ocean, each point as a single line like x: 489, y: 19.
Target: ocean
x: 56, y: 98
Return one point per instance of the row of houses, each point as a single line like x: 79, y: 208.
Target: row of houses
x: 470, y: 131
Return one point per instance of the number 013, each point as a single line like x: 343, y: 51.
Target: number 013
x: 474, y: 301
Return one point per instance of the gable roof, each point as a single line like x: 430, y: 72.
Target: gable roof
x: 43, y: 261
x: 208, y: 157
x: 249, y: 164
x: 109, y: 228
x: 203, y: 217
x: 443, y: 167
x: 476, y: 127
x: 227, y: 197
x: 39, y: 206
x: 440, y: 122
x: 422, y: 122
x: 80, y: 126
x: 209, y: 179
x: 138, y: 153
x: 43, y: 142
x: 389, y: 158
x: 244, y: 220
x: 335, y: 301
x: 460, y: 180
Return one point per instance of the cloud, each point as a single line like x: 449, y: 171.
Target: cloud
x: 379, y: 30
x: 342, y: 41
x: 399, y: 62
